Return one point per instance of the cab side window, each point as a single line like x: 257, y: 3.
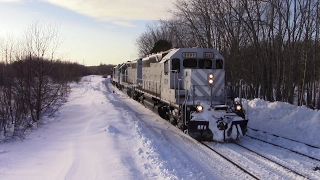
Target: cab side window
x: 176, y: 65
x: 166, y: 68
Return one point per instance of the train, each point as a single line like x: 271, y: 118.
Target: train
x: 187, y: 87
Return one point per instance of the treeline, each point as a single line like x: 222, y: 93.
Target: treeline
x: 273, y: 45
x: 32, y: 87
x: 102, y: 69
x: 33, y: 83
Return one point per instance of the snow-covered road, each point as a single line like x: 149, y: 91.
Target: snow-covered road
x: 99, y: 134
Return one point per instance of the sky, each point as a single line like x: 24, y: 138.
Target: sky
x: 98, y: 134
x: 91, y: 32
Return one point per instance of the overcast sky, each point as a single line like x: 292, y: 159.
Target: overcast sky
x: 92, y: 31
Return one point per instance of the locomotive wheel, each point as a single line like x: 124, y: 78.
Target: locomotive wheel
x: 163, y: 112
x: 173, y: 121
x: 129, y: 92
x: 135, y: 95
x: 182, y: 126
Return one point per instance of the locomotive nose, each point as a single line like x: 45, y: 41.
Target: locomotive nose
x: 200, y: 131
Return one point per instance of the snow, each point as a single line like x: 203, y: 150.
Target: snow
x: 99, y: 134
x: 294, y: 122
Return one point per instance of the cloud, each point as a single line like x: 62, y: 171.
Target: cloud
x: 123, y: 23
x: 118, y: 12
x: 13, y: 1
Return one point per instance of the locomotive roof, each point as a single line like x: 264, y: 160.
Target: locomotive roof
x: 196, y: 50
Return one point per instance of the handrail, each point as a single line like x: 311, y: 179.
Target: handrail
x: 185, y: 107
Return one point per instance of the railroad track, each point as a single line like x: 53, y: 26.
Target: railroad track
x: 293, y: 140
x: 254, y: 163
x: 312, y: 148
x: 230, y: 160
x: 294, y: 151
x: 265, y: 157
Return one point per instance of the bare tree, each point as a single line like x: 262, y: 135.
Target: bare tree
x: 38, y: 88
x: 273, y: 45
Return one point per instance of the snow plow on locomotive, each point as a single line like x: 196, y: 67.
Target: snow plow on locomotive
x: 185, y: 86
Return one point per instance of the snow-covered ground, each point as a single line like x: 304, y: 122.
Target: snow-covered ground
x: 294, y: 122
x: 99, y: 134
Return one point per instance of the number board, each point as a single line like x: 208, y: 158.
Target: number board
x: 208, y: 55
x: 189, y: 55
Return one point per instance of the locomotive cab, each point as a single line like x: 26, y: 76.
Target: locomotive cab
x: 196, y: 80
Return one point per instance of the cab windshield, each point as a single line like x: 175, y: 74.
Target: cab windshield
x: 197, y: 63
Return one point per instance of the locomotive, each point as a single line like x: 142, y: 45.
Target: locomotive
x: 187, y: 87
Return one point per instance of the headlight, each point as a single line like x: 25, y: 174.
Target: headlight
x: 199, y: 108
x: 210, y: 78
x: 238, y: 107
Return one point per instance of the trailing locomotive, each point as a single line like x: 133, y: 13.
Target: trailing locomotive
x: 185, y: 86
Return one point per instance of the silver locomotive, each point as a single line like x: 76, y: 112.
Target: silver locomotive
x: 185, y: 86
